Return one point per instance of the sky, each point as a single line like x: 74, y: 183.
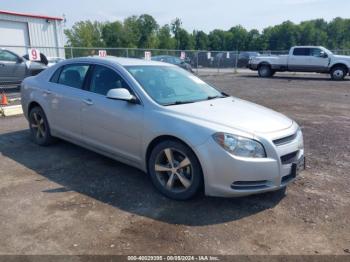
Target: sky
x: 205, y: 15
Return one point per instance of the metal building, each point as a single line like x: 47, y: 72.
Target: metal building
x: 19, y: 31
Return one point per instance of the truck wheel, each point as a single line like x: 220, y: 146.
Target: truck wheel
x: 265, y: 71
x: 338, y: 73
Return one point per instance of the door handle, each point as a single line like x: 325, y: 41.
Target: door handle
x: 88, y: 102
x: 47, y: 92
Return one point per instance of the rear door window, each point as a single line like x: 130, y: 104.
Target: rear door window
x: 7, y: 56
x: 301, y: 51
x: 73, y: 75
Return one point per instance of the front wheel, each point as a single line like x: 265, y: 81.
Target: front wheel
x: 265, y: 71
x: 338, y: 73
x: 175, y: 170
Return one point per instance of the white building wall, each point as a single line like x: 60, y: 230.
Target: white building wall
x: 46, y: 35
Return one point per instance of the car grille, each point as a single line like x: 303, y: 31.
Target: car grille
x: 247, y: 185
x: 285, y: 140
x: 289, y: 158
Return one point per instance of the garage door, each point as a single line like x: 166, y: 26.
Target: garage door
x: 14, y: 34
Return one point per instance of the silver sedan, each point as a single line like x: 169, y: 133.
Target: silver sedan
x: 167, y: 122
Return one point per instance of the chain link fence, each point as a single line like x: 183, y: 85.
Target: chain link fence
x: 201, y: 61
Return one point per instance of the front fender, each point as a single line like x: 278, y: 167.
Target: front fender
x: 337, y: 62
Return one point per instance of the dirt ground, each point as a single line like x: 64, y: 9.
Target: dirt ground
x: 67, y: 200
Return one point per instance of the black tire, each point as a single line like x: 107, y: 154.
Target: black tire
x: 39, y: 127
x: 282, y: 191
x: 338, y: 73
x: 160, y: 179
x: 265, y: 71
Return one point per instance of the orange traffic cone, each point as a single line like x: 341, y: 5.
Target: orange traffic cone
x: 4, y: 101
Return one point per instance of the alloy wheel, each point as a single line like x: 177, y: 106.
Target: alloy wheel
x: 338, y: 74
x: 174, y: 170
x: 38, y: 126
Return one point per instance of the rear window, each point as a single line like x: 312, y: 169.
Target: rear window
x: 56, y: 75
x: 301, y: 52
x: 73, y: 75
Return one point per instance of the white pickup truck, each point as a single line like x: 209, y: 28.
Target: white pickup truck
x: 303, y: 59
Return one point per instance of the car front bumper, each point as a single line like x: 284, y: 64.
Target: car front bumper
x: 252, y: 66
x: 226, y: 175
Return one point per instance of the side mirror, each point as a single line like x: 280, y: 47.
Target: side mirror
x: 19, y: 60
x: 323, y: 54
x: 121, y: 94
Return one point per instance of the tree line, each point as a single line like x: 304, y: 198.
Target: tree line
x: 144, y: 32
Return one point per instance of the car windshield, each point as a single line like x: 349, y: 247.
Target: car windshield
x: 328, y: 51
x: 169, y: 85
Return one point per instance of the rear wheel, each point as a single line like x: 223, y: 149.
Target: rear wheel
x: 265, y: 71
x: 39, y: 127
x: 175, y: 170
x: 338, y: 73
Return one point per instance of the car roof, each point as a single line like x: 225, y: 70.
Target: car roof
x: 308, y: 46
x: 118, y: 60
x: 163, y: 56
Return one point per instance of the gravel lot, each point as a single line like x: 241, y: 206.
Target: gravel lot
x: 67, y: 200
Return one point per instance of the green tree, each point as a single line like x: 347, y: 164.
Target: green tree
x: 216, y: 40
x: 283, y: 36
x: 85, y: 34
x: 339, y: 33
x: 112, y: 34
x: 239, y: 38
x: 131, y: 32
x: 147, y: 28
x: 186, y: 41
x: 165, y: 40
x: 175, y: 28
x: 144, y: 32
x: 255, y: 41
x: 201, y: 40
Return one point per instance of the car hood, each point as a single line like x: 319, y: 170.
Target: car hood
x: 235, y: 113
x: 343, y: 57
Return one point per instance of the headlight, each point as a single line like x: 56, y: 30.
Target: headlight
x: 240, y: 146
x: 301, y: 139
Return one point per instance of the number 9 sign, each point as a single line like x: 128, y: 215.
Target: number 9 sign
x: 34, y: 54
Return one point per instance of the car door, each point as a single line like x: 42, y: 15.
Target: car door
x: 64, y: 95
x: 317, y: 62
x: 299, y: 59
x: 12, y: 67
x: 112, y: 126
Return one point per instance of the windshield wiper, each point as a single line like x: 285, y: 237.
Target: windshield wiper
x: 214, y: 97
x: 179, y: 103
x: 223, y: 95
